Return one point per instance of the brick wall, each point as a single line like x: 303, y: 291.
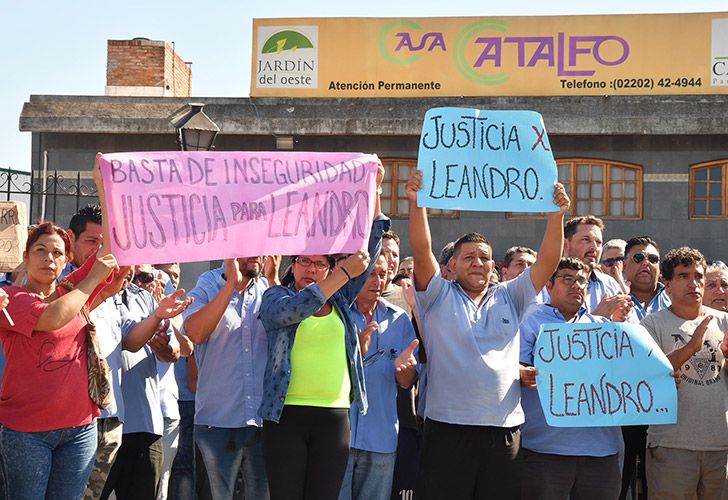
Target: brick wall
x: 147, y: 63
x: 180, y: 73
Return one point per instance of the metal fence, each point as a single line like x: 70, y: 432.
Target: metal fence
x: 55, y: 196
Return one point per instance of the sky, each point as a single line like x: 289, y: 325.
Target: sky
x: 52, y: 47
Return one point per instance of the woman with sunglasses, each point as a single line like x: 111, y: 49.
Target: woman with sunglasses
x: 314, y: 369
x: 47, y: 428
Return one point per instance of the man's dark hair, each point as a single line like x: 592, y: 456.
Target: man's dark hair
x: 158, y: 266
x: 391, y: 235
x: 470, y: 238
x: 511, y: 253
x: 639, y: 241
x: 683, y: 256
x: 573, y: 224
x: 399, y: 277
x: 89, y: 213
x: 446, y: 254
x: 570, y: 263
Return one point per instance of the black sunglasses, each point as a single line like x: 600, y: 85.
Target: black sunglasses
x: 612, y: 261
x: 652, y: 257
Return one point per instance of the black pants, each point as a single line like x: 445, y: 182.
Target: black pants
x: 306, y: 452
x: 137, y: 468
x: 635, y: 443
x: 468, y: 461
x: 563, y: 476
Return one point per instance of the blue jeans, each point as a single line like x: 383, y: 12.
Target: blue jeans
x: 368, y: 476
x: 53, y: 464
x: 224, y: 452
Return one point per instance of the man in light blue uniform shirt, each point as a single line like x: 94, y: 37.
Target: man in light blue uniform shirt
x: 147, y: 335
x: 473, y: 406
x: 583, y: 240
x: 562, y: 462
x: 231, y: 353
x: 388, y: 344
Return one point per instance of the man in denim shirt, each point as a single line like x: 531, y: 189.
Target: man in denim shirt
x: 231, y: 355
x: 147, y: 336
x: 473, y: 396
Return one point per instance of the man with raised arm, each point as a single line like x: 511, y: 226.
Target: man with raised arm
x: 473, y: 396
x: 231, y: 354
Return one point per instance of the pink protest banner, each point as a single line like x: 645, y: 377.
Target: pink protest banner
x: 197, y: 206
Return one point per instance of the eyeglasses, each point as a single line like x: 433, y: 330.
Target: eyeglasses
x: 652, y: 257
x: 305, y: 262
x: 144, y: 278
x: 569, y: 280
x: 612, y: 261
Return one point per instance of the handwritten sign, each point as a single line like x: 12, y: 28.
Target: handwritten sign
x: 493, y: 161
x: 603, y: 374
x: 13, y: 234
x: 196, y: 206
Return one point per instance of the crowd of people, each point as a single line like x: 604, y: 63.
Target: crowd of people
x: 348, y: 376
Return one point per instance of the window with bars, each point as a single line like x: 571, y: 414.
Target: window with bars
x: 394, y: 197
x: 607, y: 189
x: 708, y: 188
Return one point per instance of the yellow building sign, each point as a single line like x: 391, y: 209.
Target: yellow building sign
x: 499, y: 56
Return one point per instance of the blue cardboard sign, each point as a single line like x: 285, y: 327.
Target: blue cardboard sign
x: 492, y: 161
x: 603, y: 374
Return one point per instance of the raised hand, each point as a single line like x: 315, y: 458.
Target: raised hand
x: 408, y: 292
x: 414, y: 184
x: 406, y: 360
x: 156, y: 288
x: 271, y: 269
x: 621, y: 312
x: 696, y: 341
x: 365, y: 337
x: 561, y: 198
x: 356, y: 263
x: 232, y: 272
x: 610, y: 304
x: 103, y: 267
x: 380, y: 174
x: 170, y: 306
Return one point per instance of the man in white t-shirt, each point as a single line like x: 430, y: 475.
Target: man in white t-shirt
x: 688, y: 459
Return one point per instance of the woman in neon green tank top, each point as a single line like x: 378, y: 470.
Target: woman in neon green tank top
x: 314, y: 369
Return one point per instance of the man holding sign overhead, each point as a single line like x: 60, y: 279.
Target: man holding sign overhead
x: 473, y: 407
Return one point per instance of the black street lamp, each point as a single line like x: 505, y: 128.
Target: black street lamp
x: 195, y: 131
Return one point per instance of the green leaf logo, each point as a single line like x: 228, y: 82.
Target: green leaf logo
x: 286, y: 40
